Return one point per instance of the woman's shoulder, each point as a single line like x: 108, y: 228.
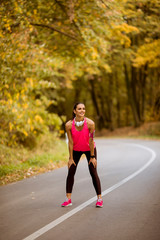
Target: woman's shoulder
x: 69, y: 124
x: 90, y: 122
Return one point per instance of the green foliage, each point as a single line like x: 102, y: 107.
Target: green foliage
x: 46, y: 48
x: 28, y: 73
x: 24, y: 117
x: 55, y: 53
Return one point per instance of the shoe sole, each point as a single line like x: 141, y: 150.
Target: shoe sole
x: 99, y: 206
x: 67, y: 205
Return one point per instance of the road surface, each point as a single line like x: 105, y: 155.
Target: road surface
x: 130, y: 177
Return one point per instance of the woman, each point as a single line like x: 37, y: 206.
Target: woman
x: 80, y: 133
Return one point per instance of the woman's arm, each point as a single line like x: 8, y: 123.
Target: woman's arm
x: 91, y: 138
x: 70, y: 143
x: 91, y: 127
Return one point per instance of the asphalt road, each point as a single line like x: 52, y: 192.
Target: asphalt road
x: 130, y: 177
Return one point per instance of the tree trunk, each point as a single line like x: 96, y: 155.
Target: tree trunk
x: 135, y: 92
x: 100, y: 120
x: 77, y: 88
x: 118, y: 101
x: 127, y: 123
x: 103, y: 105
x: 143, y: 92
x: 131, y: 98
x: 151, y: 90
x: 109, y: 101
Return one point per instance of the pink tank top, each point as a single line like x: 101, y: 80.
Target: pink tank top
x: 80, y: 138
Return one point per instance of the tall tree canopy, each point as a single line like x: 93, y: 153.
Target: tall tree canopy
x: 105, y: 53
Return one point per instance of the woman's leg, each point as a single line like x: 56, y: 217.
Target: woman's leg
x: 94, y: 174
x: 71, y: 173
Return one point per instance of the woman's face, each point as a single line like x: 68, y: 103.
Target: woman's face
x: 80, y: 110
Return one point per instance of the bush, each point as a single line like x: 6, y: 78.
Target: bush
x: 24, y: 118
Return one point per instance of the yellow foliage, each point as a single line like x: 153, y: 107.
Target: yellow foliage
x: 22, y: 91
x: 17, y: 96
x: 61, y: 132
x: 19, y: 116
x: 25, y: 105
x: 94, y: 53
x: 82, y: 53
x: 30, y: 81
x: 124, y: 27
x: 1, y: 34
x: 30, y: 28
x: 120, y: 31
x: 38, y: 102
x: 13, y: 136
x: 148, y: 53
x: 14, y: 110
x: 38, y: 119
x: 29, y: 121
x: 8, y: 27
x: 35, y: 11
x: 25, y: 133
x: 10, y: 126
x: 107, y: 68
x: 127, y: 41
x: 8, y: 95
x: 59, y: 23
x: 31, y: 127
x: 3, y: 55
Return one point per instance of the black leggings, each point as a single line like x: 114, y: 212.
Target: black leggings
x: 92, y: 170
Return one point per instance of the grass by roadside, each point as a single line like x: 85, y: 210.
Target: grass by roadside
x: 19, y: 163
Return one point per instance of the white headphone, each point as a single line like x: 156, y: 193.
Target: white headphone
x: 78, y: 124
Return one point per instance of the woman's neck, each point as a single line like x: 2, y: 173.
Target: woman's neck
x: 78, y: 119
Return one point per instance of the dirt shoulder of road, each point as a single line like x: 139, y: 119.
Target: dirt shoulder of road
x: 146, y: 131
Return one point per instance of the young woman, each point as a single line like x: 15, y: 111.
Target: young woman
x: 80, y: 133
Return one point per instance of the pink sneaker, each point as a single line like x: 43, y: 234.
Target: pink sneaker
x: 99, y: 203
x: 67, y: 203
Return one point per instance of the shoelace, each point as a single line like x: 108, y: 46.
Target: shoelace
x: 99, y: 200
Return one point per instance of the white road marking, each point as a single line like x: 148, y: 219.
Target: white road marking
x: 85, y: 204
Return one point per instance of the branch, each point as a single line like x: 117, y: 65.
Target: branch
x: 54, y: 29
x: 104, y: 4
x: 73, y: 22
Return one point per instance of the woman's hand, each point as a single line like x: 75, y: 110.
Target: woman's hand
x: 93, y: 161
x: 70, y: 162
